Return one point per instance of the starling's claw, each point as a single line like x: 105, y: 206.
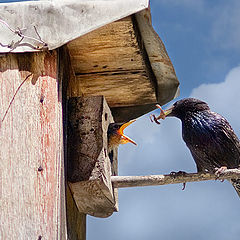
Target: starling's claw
x: 220, y: 170
x: 179, y: 173
x: 173, y: 174
x: 184, y: 186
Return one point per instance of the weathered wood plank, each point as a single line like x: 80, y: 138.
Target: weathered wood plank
x: 166, y: 80
x: 89, y: 167
x: 31, y: 153
x: 110, y: 48
x: 120, y: 89
x: 76, y: 220
x: 64, y: 74
x: 110, y: 62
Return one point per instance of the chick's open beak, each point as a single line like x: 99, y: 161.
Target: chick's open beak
x: 124, y: 138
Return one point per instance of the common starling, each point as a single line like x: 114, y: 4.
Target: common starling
x: 209, y: 137
x: 116, y: 136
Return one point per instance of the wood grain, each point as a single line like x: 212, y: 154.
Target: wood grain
x: 161, y: 65
x: 31, y: 153
x: 110, y: 62
x: 76, y: 221
x: 89, y: 167
x: 75, y: 229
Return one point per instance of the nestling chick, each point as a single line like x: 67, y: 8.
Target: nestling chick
x: 116, y: 136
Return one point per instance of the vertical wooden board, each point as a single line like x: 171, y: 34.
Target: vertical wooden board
x: 31, y: 146
x: 76, y: 220
x: 70, y: 216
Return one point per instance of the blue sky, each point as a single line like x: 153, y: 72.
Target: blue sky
x: 202, y: 39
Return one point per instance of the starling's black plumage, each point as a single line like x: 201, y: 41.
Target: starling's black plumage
x: 208, y: 135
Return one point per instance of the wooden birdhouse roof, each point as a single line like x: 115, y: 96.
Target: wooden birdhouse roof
x: 114, y: 50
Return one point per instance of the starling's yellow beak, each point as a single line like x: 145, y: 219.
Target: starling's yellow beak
x: 168, y: 111
x: 124, y: 138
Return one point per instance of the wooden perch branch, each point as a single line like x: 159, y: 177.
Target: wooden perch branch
x: 153, y: 180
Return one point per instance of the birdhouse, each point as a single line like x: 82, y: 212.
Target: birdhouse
x: 67, y: 70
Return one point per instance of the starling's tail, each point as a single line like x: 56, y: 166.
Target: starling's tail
x: 236, y: 185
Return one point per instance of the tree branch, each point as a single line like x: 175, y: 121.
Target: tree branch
x: 153, y: 180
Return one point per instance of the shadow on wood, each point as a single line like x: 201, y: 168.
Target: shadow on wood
x: 89, y: 167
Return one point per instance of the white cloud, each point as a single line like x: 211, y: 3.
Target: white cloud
x: 223, y: 97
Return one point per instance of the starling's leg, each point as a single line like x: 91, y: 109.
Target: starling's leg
x: 179, y: 173
x: 220, y: 171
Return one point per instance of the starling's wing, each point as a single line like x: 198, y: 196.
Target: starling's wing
x: 199, y: 158
x: 212, y: 142
x: 230, y: 143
